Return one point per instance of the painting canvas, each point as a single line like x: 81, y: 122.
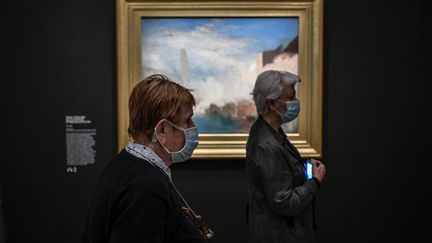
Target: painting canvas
x: 218, y: 49
x: 220, y: 59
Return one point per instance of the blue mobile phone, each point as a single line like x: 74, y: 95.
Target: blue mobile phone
x: 308, y: 169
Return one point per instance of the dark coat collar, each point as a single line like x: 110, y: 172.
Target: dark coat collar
x: 280, y: 136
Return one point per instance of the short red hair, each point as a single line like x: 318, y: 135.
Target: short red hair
x: 153, y: 99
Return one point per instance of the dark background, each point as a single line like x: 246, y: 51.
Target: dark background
x: 59, y: 59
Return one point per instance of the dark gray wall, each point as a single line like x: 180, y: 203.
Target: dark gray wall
x: 60, y: 60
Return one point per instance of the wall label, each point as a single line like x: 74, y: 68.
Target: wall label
x: 80, y: 142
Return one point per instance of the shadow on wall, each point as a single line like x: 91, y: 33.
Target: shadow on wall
x: 2, y: 226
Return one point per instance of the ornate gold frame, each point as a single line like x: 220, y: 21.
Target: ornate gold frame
x: 310, y: 14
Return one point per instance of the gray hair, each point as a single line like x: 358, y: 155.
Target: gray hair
x: 269, y: 86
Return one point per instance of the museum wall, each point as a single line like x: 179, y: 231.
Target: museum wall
x: 60, y: 60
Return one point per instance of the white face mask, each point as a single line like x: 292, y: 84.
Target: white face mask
x: 191, y: 142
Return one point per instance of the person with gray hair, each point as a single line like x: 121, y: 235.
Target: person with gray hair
x: 269, y: 87
x: 281, y: 196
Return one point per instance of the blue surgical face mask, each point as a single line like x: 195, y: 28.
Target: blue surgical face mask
x: 292, y: 110
x: 191, y: 142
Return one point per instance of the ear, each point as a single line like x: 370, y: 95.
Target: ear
x: 160, y: 131
x: 271, y: 104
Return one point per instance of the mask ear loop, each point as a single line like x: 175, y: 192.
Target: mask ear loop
x: 154, y: 137
x: 274, y: 108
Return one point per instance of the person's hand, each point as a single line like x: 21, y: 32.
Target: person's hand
x: 318, y: 170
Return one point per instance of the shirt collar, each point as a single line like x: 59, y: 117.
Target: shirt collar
x: 146, y: 153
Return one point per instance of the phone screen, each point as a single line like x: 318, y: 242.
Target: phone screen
x: 308, y: 169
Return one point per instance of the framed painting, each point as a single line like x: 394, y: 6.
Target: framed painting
x: 217, y: 49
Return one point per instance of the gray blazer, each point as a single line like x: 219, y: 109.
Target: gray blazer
x: 280, y: 197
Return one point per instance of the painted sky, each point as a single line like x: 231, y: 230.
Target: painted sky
x: 222, y: 53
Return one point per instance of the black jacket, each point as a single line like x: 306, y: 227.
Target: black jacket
x: 280, y: 197
x: 134, y: 202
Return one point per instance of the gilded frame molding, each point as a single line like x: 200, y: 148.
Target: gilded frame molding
x: 310, y: 13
